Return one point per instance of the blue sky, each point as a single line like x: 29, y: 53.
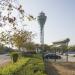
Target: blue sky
x: 60, y: 22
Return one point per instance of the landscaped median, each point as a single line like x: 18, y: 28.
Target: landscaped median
x: 25, y: 66
x: 12, y: 68
x: 34, y: 67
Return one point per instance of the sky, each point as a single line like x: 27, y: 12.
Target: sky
x: 60, y: 23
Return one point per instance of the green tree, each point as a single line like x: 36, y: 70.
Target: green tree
x: 72, y: 48
x: 46, y: 47
x: 30, y: 46
x: 10, y: 19
x: 21, y: 38
x: 3, y: 38
x: 1, y: 47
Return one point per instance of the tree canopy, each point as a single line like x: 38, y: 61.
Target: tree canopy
x: 21, y: 38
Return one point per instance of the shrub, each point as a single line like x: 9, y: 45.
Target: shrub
x: 34, y: 67
x: 14, y: 56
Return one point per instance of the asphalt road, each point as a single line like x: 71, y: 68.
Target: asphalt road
x: 4, y: 58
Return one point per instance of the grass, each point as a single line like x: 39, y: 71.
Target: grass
x: 11, y: 68
x: 25, y: 66
x: 34, y: 67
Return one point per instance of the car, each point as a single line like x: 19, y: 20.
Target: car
x: 52, y: 56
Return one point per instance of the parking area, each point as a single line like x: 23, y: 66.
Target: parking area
x: 70, y: 58
x: 63, y: 59
x: 60, y: 66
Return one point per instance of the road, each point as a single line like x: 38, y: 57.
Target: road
x: 63, y: 59
x: 70, y: 58
x: 4, y: 58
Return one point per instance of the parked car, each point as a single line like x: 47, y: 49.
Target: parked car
x: 52, y: 56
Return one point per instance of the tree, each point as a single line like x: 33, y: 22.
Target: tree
x: 30, y: 46
x: 5, y: 38
x: 1, y: 47
x: 13, y: 21
x: 72, y: 48
x: 21, y: 38
x: 46, y: 47
x: 7, y: 16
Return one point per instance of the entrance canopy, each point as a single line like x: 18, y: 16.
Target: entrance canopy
x: 63, y: 42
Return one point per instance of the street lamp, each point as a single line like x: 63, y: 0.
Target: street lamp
x: 41, y: 20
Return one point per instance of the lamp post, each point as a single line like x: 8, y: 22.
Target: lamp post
x: 41, y: 20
